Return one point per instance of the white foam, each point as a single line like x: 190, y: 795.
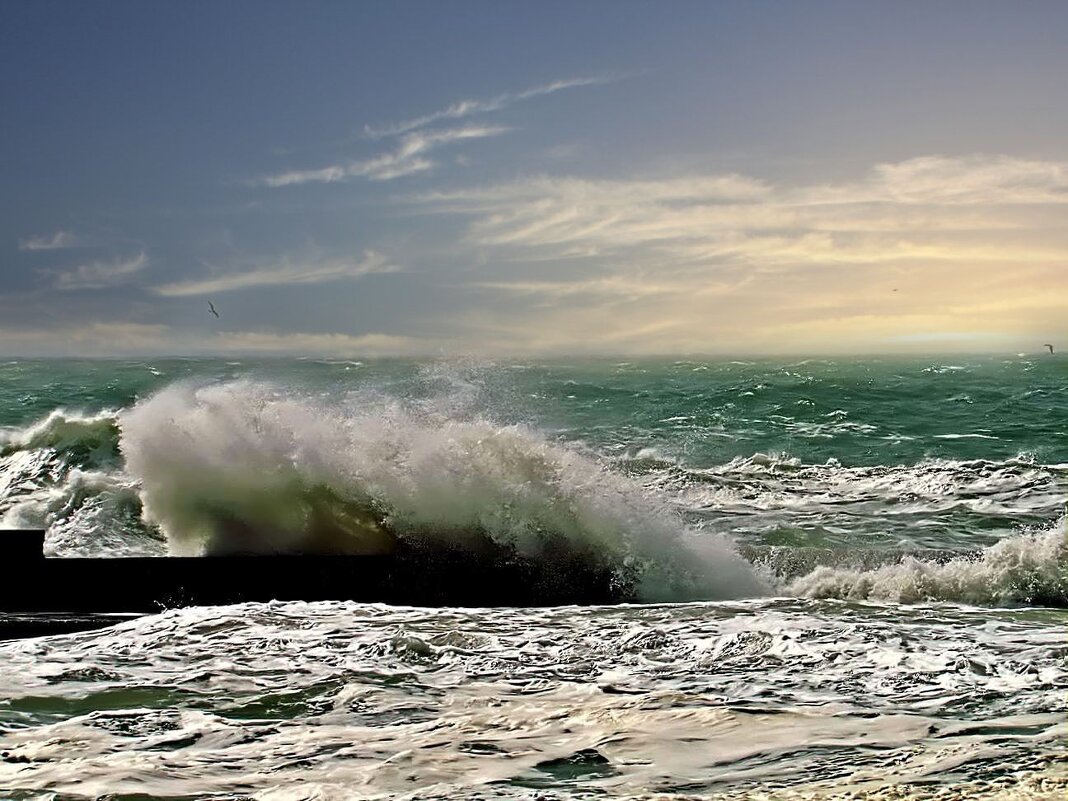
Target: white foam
x: 63, y: 474
x: 1028, y: 568
x: 60, y: 430
x: 1019, y: 485
x: 245, y: 465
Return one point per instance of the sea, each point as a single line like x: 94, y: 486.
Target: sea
x: 851, y: 578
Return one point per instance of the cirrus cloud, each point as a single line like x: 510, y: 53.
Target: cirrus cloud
x: 57, y: 241
x: 735, y: 263
x: 288, y: 272
x: 465, y: 108
x: 930, y: 208
x: 408, y: 158
x: 101, y: 274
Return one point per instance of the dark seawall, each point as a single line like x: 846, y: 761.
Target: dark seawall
x: 415, y: 575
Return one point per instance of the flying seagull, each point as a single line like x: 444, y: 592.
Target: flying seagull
x: 1047, y: 345
x: 211, y: 308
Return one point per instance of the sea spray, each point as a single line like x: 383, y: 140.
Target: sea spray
x: 63, y: 473
x: 1027, y: 569
x: 81, y: 438
x: 862, y: 515
x: 803, y: 696
x: 247, y: 466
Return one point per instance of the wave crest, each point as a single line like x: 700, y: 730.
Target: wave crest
x: 245, y: 467
x: 89, y: 439
x: 63, y: 474
x: 1024, y: 569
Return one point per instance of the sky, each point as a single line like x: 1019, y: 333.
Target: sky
x: 533, y: 178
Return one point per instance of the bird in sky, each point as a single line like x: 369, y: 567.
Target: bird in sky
x: 211, y: 308
x: 1047, y: 345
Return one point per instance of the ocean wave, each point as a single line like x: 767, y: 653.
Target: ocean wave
x: 245, y: 466
x: 763, y: 482
x: 64, y: 474
x: 1027, y: 569
x: 85, y: 438
x: 86, y: 513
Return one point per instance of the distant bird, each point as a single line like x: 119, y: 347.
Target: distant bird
x: 1047, y: 345
x: 211, y: 308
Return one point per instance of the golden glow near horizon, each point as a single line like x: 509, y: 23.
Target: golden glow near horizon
x: 933, y: 252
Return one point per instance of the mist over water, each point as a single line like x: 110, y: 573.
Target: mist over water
x: 852, y: 529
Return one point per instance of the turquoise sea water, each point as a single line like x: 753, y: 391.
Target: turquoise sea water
x: 869, y: 556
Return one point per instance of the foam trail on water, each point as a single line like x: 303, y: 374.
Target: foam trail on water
x: 247, y: 466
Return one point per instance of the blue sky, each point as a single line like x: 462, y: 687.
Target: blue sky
x: 379, y: 178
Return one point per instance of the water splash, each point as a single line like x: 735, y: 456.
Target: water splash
x: 1027, y: 569
x: 247, y: 466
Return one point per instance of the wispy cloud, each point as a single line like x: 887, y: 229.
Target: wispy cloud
x: 623, y: 286
x: 732, y: 263
x: 408, y: 158
x: 286, y: 273
x: 411, y: 155
x: 466, y: 108
x: 973, y: 180
x: 977, y: 209
x: 100, y: 274
x: 57, y: 241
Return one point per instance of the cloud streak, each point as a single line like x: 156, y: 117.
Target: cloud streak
x: 732, y: 263
x: 57, y: 241
x: 100, y: 274
x: 287, y: 273
x: 409, y: 157
x: 977, y: 209
x: 467, y: 108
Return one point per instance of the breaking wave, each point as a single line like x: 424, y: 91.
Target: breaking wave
x: 64, y: 474
x: 250, y: 467
x: 79, y: 438
x: 246, y: 467
x: 1027, y: 569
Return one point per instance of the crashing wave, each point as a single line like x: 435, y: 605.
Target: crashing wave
x: 776, y: 499
x: 245, y: 467
x: 86, y: 439
x: 63, y: 474
x: 1024, y: 569
x: 779, y: 481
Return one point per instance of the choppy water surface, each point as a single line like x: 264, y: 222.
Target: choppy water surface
x: 871, y: 555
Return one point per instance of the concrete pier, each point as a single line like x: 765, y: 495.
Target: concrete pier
x: 418, y: 574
